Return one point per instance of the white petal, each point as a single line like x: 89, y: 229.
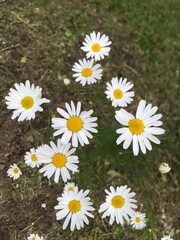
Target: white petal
x: 128, y: 140
x: 67, y: 221
x: 135, y: 145
x: 142, y: 145
x: 56, y: 177
x: 152, y: 138
x: 140, y: 108
x: 63, y: 113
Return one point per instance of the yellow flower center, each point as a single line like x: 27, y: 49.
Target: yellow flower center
x: 34, y: 157
x: 34, y: 238
x: 71, y: 189
x: 86, y: 72
x: 59, y: 160
x: 118, y: 94
x: 74, y: 206
x: 137, y: 219
x: 27, y: 102
x: 117, y: 201
x: 16, y: 170
x: 74, y: 124
x: 136, y: 126
x: 96, y: 47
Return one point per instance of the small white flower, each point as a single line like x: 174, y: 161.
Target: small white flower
x: 70, y: 187
x: 35, y: 237
x: 139, y: 130
x: 164, y: 168
x: 14, y: 172
x: 74, y: 125
x: 96, y: 46
x: 67, y: 81
x: 75, y: 206
x: 138, y: 221
x: 86, y: 72
x: 119, y: 204
x: 25, y: 100
x: 118, y: 92
x: 167, y: 237
x: 31, y: 158
x: 58, y: 160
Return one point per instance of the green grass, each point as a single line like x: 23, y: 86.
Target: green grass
x: 145, y: 37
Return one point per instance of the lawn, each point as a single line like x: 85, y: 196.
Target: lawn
x: 40, y: 40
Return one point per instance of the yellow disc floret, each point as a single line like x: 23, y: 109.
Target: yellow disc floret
x: 86, y: 72
x: 118, y: 94
x: 27, y: 102
x: 117, y: 201
x: 59, y: 160
x: 96, y: 47
x: 16, y: 170
x: 34, y: 157
x: 74, y: 124
x: 74, y: 206
x: 136, y: 126
x: 137, y: 219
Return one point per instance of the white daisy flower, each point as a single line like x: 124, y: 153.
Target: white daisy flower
x: 86, y: 72
x: 14, y: 172
x: 35, y: 237
x: 75, y: 206
x: 25, y: 100
x: 58, y: 160
x: 31, y: 158
x: 167, y: 237
x: 164, y: 168
x: 138, y: 221
x: 74, y: 125
x: 117, y: 91
x: 70, y: 187
x: 96, y: 46
x: 139, y: 130
x: 119, y: 204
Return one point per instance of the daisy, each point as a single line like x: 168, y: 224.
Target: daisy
x: 75, y: 206
x: 86, y: 72
x: 74, y: 125
x: 164, y: 168
x: 119, y: 204
x: 96, y: 46
x: 31, y: 158
x: 167, y: 237
x: 35, y: 237
x: 117, y: 91
x: 139, y: 130
x: 70, y: 187
x: 58, y: 160
x: 14, y: 172
x: 138, y: 221
x: 25, y: 100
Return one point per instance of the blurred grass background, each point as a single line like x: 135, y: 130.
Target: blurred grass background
x: 145, y: 44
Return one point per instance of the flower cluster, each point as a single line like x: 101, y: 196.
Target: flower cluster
x: 75, y: 128
x: 76, y: 206
x: 97, y: 47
